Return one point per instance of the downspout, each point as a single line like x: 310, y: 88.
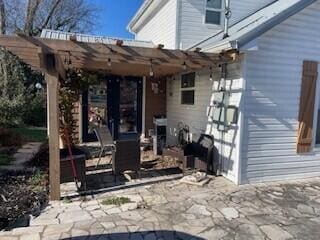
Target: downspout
x: 223, y: 87
x: 227, y: 14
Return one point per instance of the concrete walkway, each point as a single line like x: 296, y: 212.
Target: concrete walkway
x: 171, y: 210
x: 23, y: 155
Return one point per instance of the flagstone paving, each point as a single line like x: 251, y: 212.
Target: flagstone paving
x: 170, y: 210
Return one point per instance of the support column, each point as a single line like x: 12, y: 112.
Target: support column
x: 54, y: 151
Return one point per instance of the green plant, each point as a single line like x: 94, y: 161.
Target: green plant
x: 38, y: 179
x: 35, y: 113
x: 116, y: 201
x: 70, y: 91
x: 66, y: 200
x: 17, y: 89
x: 12, y: 88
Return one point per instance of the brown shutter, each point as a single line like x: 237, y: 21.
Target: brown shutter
x: 307, y: 101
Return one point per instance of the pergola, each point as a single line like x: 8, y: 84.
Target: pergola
x: 47, y: 56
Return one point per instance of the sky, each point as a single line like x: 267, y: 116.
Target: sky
x: 114, y: 17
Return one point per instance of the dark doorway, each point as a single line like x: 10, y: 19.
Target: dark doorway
x: 115, y: 102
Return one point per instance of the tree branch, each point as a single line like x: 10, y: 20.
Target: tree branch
x: 2, y: 18
x: 50, y: 15
x: 32, y: 8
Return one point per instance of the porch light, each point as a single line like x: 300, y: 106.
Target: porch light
x: 151, y: 73
x: 67, y: 61
x: 184, y: 66
x: 38, y: 86
x: 109, y: 62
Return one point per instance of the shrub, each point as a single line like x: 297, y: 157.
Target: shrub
x: 11, y: 111
x: 12, y: 88
x: 35, y: 112
x: 9, y: 138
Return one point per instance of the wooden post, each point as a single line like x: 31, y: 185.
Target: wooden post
x: 52, y: 79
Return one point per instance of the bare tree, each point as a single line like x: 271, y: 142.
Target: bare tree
x: 32, y: 16
x: 2, y: 18
x: 32, y: 8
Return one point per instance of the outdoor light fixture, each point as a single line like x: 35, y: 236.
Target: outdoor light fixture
x: 211, y: 78
x: 67, y: 60
x: 109, y: 62
x: 38, y: 86
x: 151, y: 69
x: 184, y: 66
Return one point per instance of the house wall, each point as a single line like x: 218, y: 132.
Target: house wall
x: 180, y: 23
x: 192, y: 28
x: 161, y: 27
x: 273, y: 79
x: 196, y: 118
x: 155, y: 102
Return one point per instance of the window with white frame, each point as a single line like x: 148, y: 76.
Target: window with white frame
x: 214, y: 12
x: 188, y: 88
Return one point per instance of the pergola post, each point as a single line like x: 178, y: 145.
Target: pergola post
x: 54, y: 70
x: 54, y: 150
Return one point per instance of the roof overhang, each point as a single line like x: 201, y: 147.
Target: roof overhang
x: 144, y: 13
x: 253, y: 26
x: 116, y: 59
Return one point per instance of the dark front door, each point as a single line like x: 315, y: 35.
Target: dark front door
x: 117, y: 103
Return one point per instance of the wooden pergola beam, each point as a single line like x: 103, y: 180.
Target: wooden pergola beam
x: 90, y: 55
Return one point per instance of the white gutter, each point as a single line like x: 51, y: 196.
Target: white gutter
x: 223, y: 46
x: 138, y: 15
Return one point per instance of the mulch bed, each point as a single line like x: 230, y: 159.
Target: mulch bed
x: 149, y: 161
x: 24, y: 193
x: 20, y: 195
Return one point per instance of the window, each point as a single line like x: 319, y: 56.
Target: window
x: 187, y: 97
x: 188, y: 88
x: 214, y: 12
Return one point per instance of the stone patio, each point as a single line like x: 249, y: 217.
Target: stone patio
x: 171, y: 210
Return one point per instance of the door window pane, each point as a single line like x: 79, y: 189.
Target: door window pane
x: 97, y: 106
x: 128, y: 106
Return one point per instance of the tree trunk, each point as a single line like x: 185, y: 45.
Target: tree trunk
x: 32, y: 8
x: 2, y: 18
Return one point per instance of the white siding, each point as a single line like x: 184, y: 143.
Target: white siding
x: 273, y: 80
x: 196, y: 116
x: 192, y: 28
x: 161, y: 28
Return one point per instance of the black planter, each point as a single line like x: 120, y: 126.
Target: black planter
x: 67, y: 174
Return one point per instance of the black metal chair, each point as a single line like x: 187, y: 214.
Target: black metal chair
x: 105, y: 139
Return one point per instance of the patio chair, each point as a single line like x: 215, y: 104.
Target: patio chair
x: 105, y: 139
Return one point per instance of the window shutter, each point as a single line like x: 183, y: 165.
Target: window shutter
x: 307, y: 102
